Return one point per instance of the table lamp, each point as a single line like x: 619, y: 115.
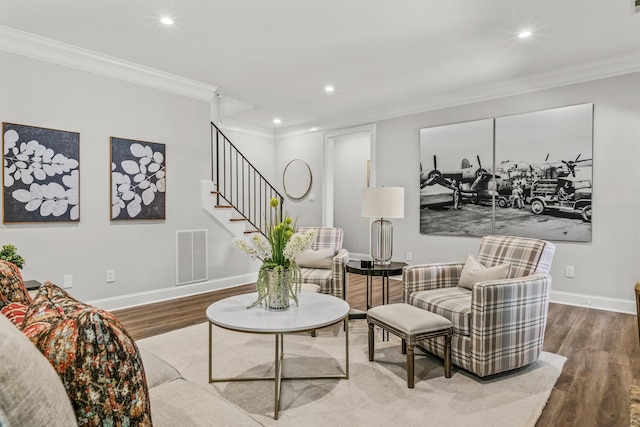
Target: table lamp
x: 381, y: 203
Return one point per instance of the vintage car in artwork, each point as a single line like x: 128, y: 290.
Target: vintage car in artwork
x: 561, y: 194
x: 486, y: 197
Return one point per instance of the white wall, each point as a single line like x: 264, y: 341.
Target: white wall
x: 259, y: 150
x: 142, y: 253
x: 606, y: 269
x: 308, y: 147
x: 311, y: 148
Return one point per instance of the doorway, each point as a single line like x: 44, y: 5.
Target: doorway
x: 348, y: 166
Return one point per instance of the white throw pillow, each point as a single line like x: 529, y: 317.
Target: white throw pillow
x: 321, y: 258
x: 474, y: 272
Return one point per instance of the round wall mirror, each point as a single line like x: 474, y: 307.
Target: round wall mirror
x: 297, y: 179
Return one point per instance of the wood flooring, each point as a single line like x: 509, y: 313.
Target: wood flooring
x: 602, y: 350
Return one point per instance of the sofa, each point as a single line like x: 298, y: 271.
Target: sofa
x: 65, y: 363
x: 498, y: 303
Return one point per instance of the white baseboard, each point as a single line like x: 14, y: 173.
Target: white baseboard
x: 157, y: 295
x: 593, y: 301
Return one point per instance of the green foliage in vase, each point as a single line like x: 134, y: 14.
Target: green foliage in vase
x: 285, y: 284
x: 10, y: 253
x: 278, y: 255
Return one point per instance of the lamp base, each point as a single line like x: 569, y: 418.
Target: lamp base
x: 381, y: 241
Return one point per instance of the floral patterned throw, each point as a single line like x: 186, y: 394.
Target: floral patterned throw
x: 96, y: 359
x: 12, y: 287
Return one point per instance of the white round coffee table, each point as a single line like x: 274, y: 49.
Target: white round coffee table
x: 314, y: 311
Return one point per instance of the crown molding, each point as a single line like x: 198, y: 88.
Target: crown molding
x: 42, y: 48
x: 611, y: 66
x: 30, y: 45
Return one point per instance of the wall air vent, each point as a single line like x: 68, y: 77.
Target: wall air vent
x: 191, y: 256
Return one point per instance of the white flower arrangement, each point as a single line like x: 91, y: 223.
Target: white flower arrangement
x: 278, y: 253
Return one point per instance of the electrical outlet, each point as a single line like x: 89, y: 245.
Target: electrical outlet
x: 67, y: 281
x: 111, y: 276
x: 569, y: 271
x: 409, y: 256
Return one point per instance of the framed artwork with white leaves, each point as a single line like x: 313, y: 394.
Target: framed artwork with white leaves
x: 138, y: 179
x: 41, y: 174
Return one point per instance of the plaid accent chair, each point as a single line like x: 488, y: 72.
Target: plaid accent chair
x: 498, y: 325
x: 333, y: 279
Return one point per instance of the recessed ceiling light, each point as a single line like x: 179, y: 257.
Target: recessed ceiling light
x: 313, y: 129
x: 524, y: 34
x: 167, y: 21
x: 277, y: 121
x: 329, y: 89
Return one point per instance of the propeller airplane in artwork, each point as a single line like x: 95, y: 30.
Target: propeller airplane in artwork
x: 519, y: 179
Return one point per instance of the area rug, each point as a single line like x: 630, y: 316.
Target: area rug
x: 376, y: 393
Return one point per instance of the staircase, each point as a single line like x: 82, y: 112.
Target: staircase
x: 237, y: 197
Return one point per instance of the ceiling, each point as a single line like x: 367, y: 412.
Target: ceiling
x: 384, y: 58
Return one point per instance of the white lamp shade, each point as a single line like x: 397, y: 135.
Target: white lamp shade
x: 383, y: 202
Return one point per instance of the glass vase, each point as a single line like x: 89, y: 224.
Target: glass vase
x: 278, y: 290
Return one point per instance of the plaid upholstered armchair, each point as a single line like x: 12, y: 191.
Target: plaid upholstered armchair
x: 325, y: 263
x: 498, y: 324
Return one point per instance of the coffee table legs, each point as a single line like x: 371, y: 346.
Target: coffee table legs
x: 279, y: 362
x: 278, y: 375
